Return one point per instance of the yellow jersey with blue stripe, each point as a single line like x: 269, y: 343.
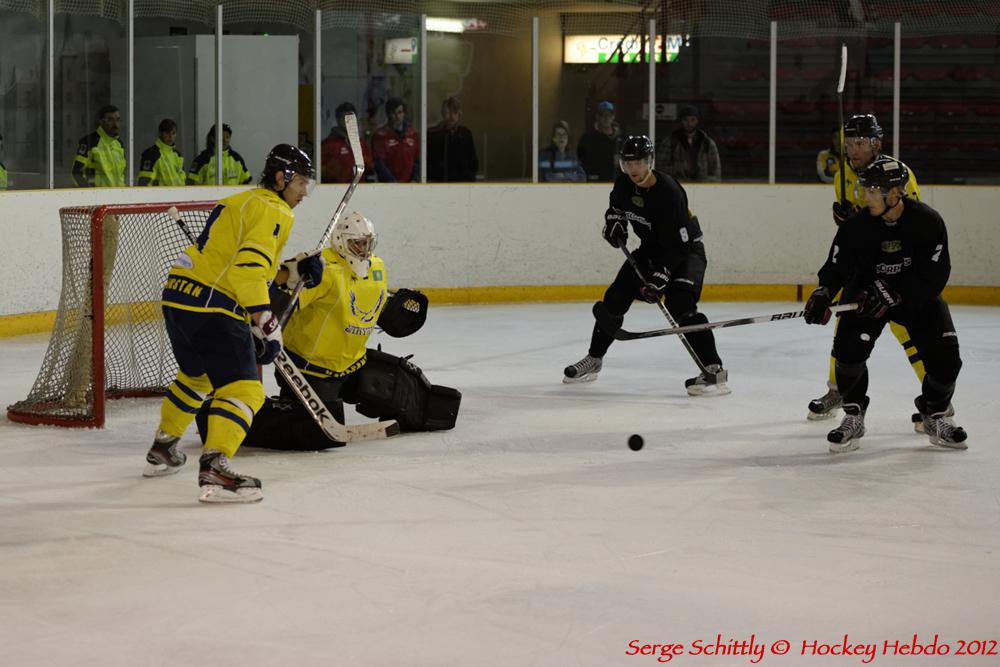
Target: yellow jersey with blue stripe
x: 234, y: 259
x: 328, y: 335
x: 856, y: 195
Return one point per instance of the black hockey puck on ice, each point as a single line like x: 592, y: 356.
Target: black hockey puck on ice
x: 635, y: 442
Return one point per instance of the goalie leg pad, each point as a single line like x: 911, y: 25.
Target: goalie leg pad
x: 391, y: 387
x: 281, y: 424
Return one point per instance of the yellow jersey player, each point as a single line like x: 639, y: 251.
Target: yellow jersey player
x: 328, y: 334
x: 863, y: 145
x: 219, y: 320
x: 326, y: 338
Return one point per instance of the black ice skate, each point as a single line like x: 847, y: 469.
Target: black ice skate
x: 940, y: 428
x: 163, y: 457
x: 918, y: 419
x: 219, y: 484
x: 710, y: 382
x: 585, y: 370
x: 825, y: 406
x: 845, y: 437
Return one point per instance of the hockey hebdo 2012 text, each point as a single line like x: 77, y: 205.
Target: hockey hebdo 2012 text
x: 756, y: 649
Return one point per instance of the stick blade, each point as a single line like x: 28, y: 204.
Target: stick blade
x: 843, y: 68
x: 354, y: 138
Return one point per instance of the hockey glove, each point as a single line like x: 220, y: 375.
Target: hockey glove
x: 266, y: 336
x: 875, y: 300
x: 615, y: 227
x: 656, y: 284
x: 817, y: 310
x: 842, y: 211
x: 305, y: 267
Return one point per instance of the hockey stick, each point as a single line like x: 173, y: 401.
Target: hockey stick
x: 353, y: 138
x: 176, y: 217
x: 607, y: 322
x: 840, y: 111
x: 333, y: 429
x: 715, y: 377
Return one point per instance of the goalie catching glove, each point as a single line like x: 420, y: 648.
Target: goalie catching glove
x: 266, y: 337
x: 615, y: 228
x: 404, y: 313
x: 875, y: 300
x: 305, y: 267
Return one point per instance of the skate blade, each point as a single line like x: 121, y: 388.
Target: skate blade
x: 820, y: 416
x: 160, y: 469
x: 708, y: 390
x: 949, y: 445
x: 587, y: 377
x: 217, y: 494
x: 851, y: 445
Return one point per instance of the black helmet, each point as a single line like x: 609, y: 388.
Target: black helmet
x: 885, y: 173
x: 289, y: 159
x: 636, y: 147
x: 863, y: 125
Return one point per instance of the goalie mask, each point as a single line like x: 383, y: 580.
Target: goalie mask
x: 354, y: 239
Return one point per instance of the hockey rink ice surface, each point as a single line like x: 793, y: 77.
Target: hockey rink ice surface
x: 530, y: 535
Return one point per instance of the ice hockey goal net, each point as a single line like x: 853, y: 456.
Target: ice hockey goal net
x: 109, y: 340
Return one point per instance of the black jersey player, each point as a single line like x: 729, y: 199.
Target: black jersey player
x: 892, y: 259
x: 671, y: 255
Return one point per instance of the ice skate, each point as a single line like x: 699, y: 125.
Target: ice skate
x: 845, y: 437
x: 710, y: 383
x: 825, y: 406
x: 940, y: 427
x: 585, y: 370
x: 163, y: 458
x: 918, y: 419
x: 219, y: 484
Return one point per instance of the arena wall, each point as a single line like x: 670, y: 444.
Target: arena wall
x: 510, y: 242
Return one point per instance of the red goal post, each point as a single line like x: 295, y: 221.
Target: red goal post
x: 108, y: 340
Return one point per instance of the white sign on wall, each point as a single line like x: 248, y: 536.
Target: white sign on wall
x: 401, y: 51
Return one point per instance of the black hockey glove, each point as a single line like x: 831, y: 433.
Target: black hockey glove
x: 615, y: 227
x: 842, y: 211
x: 875, y: 300
x: 657, y: 278
x: 305, y: 267
x: 817, y: 310
x: 266, y: 337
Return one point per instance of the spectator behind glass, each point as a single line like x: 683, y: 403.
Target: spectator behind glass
x: 3, y: 169
x: 336, y: 158
x: 556, y: 164
x: 598, y: 147
x: 451, y: 153
x: 203, y: 168
x: 688, y: 154
x: 100, y: 155
x: 396, y: 146
x: 162, y: 163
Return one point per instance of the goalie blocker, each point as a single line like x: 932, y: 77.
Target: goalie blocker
x: 387, y: 387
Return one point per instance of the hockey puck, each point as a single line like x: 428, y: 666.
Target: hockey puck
x: 635, y: 442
